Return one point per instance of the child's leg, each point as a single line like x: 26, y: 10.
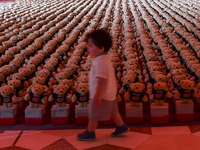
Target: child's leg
x: 117, y: 119
x: 92, y: 125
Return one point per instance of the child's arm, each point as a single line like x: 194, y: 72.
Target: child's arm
x: 99, y: 91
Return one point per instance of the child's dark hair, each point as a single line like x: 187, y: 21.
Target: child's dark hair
x: 100, y: 38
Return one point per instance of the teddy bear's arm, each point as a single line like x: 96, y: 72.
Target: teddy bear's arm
x: 169, y: 95
x: 177, y: 95
x: 145, y: 99
x: 44, y: 100
x: 74, y: 98
x: 50, y: 99
x: 14, y: 98
x: 27, y: 97
x: 127, y: 96
x: 149, y: 92
x: 121, y: 90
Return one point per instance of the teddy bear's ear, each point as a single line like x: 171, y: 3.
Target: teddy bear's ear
x: 174, y: 77
x: 143, y: 86
x: 33, y: 79
x: 193, y: 83
x: 122, y: 79
x: 12, y: 88
x: 76, y: 85
x: 182, y: 81
x: 54, y: 87
x: 18, y: 81
x: 131, y: 84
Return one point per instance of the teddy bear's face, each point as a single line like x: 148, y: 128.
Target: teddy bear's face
x: 66, y: 82
x: 42, y: 73
x: 86, y: 66
x: 197, y: 73
x: 6, y: 58
x: 82, y: 88
x: 17, y: 76
x: 175, y: 66
x: 37, y: 89
x: 187, y: 84
x: 60, y: 89
x: 60, y: 76
x: 166, y: 56
x: 48, y: 67
x: 73, y: 67
x: 160, y: 86
x: 160, y: 78
x: 83, y: 79
x: 30, y: 67
x: 14, y: 83
x: 137, y: 87
x: 6, y: 90
x: 176, y: 72
x: 128, y: 79
x: 83, y: 73
x: 38, y: 80
x: 154, y: 68
x: 195, y: 67
x: 178, y: 78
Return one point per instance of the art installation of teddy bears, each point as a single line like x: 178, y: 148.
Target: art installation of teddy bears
x: 44, y: 58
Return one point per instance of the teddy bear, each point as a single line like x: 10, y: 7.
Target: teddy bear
x: 18, y: 90
x: 16, y: 76
x: 61, y: 76
x: 7, y: 95
x: 82, y: 94
x: 27, y: 76
x: 186, y: 91
x: 136, y: 94
x: 6, y: 70
x: 37, y: 80
x: 160, y: 93
x: 176, y: 82
x: 82, y: 79
x: 61, y: 95
x: 6, y: 59
x: 36, y: 95
x: 127, y: 80
x: 74, y: 68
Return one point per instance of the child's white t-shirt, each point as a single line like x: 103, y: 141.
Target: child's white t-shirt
x: 102, y: 68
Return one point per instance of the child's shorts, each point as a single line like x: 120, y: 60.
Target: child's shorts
x: 104, y: 111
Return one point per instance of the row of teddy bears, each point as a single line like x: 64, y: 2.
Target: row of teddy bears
x: 48, y: 68
x: 154, y: 70
x: 131, y: 68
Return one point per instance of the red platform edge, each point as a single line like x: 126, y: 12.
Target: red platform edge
x: 59, y: 120
x: 82, y: 120
x: 8, y: 121
x: 34, y: 121
x: 134, y: 120
x: 107, y: 122
x: 160, y: 120
x: 185, y: 117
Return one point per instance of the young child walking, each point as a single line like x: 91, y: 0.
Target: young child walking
x: 102, y: 86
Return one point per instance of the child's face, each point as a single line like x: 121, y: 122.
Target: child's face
x: 93, y: 49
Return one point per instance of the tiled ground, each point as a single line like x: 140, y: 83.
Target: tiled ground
x: 153, y: 138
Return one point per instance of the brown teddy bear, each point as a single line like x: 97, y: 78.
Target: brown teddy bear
x: 61, y: 94
x: 186, y: 91
x: 160, y: 93
x: 61, y: 76
x: 82, y: 94
x: 18, y: 90
x: 136, y: 94
x: 36, y: 95
x: 127, y: 80
x: 69, y: 83
x: 37, y: 80
x: 7, y: 95
x: 27, y: 76
x: 176, y: 82
x: 6, y: 70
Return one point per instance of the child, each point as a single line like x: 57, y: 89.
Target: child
x: 102, y: 86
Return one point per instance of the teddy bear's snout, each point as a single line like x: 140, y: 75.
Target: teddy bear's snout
x: 83, y: 90
x: 137, y: 87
